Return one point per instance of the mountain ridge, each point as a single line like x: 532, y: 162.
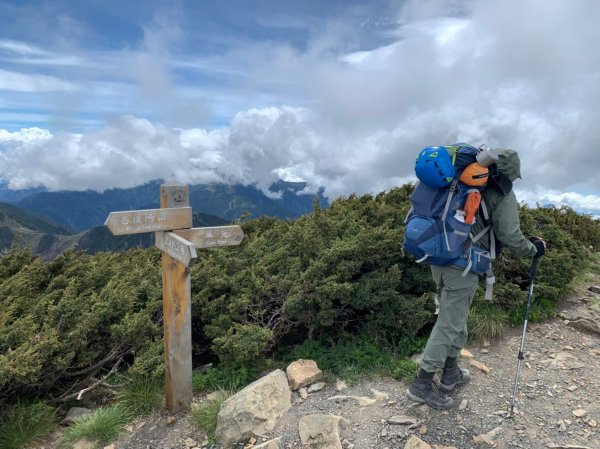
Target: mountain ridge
x: 88, y: 209
x: 22, y: 228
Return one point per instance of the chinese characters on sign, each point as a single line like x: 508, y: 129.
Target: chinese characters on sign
x: 213, y: 237
x: 176, y: 247
x: 151, y: 220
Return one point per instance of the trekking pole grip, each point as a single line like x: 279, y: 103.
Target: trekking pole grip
x: 534, y: 267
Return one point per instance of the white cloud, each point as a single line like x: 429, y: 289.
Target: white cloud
x: 27, y: 135
x: 21, y: 48
x: 14, y: 81
x: 483, y: 72
x: 585, y: 203
x: 130, y: 151
x: 24, y: 53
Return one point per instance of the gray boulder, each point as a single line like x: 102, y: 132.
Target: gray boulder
x: 585, y: 317
x: 254, y: 410
x: 321, y: 431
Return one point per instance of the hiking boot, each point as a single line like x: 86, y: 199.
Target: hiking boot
x: 423, y: 391
x: 453, y: 376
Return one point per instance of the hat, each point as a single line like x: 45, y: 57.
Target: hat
x: 509, y: 164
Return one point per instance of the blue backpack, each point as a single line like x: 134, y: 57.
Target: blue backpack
x: 435, y: 231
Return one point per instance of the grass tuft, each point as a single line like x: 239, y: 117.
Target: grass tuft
x: 353, y: 359
x: 101, y: 426
x: 204, y: 415
x: 487, y: 322
x: 405, y: 370
x: 26, y: 424
x: 140, y: 396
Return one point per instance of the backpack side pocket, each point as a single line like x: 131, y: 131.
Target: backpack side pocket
x: 421, y: 237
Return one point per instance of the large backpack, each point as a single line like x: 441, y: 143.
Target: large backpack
x: 436, y: 232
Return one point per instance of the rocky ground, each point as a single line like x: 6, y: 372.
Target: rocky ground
x: 558, y: 402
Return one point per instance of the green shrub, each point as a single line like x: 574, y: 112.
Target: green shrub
x: 102, y: 426
x: 243, y: 344
x: 223, y: 378
x: 59, y: 318
x: 26, y: 424
x: 335, y: 273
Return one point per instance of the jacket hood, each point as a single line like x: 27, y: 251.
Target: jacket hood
x: 509, y: 164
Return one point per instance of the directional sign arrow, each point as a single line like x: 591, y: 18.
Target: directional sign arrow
x: 149, y: 220
x: 213, y: 237
x: 176, y: 247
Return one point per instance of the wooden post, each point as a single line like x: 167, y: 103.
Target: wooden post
x: 177, y: 313
x: 175, y: 237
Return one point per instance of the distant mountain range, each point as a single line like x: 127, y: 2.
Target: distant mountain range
x: 24, y: 229
x: 52, y: 222
x: 84, y: 210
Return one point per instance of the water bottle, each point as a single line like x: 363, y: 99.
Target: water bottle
x: 486, y: 156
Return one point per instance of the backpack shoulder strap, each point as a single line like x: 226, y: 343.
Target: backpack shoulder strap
x: 452, y: 190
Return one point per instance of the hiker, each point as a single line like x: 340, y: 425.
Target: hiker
x: 456, y: 286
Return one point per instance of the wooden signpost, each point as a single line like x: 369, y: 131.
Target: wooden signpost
x: 177, y: 240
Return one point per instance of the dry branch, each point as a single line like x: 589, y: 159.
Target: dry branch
x: 97, y: 383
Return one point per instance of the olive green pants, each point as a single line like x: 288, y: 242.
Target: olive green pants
x: 449, y: 335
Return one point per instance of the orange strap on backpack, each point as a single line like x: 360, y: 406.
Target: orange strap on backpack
x: 471, y: 206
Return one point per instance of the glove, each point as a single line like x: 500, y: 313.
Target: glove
x: 540, y: 245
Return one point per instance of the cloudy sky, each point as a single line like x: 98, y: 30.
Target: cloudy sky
x: 340, y: 93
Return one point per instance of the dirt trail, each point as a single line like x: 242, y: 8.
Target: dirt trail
x: 559, y: 380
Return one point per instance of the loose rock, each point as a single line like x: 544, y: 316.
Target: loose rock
x: 171, y: 420
x: 488, y: 438
x: 250, y: 444
x: 74, y: 414
x: 303, y: 392
x: 480, y: 366
x: 466, y: 354
x: 586, y: 317
x: 189, y: 443
x: 84, y: 444
x: 254, y: 410
x: 567, y: 446
x: 215, y: 395
x: 363, y: 401
x: 379, y: 395
x: 316, y: 387
x: 579, y: 413
x: 320, y: 431
x: 340, y: 385
x: 415, y: 442
x: 302, y: 373
x: 402, y: 420
x: 271, y: 444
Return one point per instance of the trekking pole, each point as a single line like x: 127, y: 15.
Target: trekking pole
x: 521, y: 356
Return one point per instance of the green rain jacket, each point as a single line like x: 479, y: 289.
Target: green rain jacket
x: 504, y: 211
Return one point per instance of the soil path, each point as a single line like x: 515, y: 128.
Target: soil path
x: 558, y: 402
